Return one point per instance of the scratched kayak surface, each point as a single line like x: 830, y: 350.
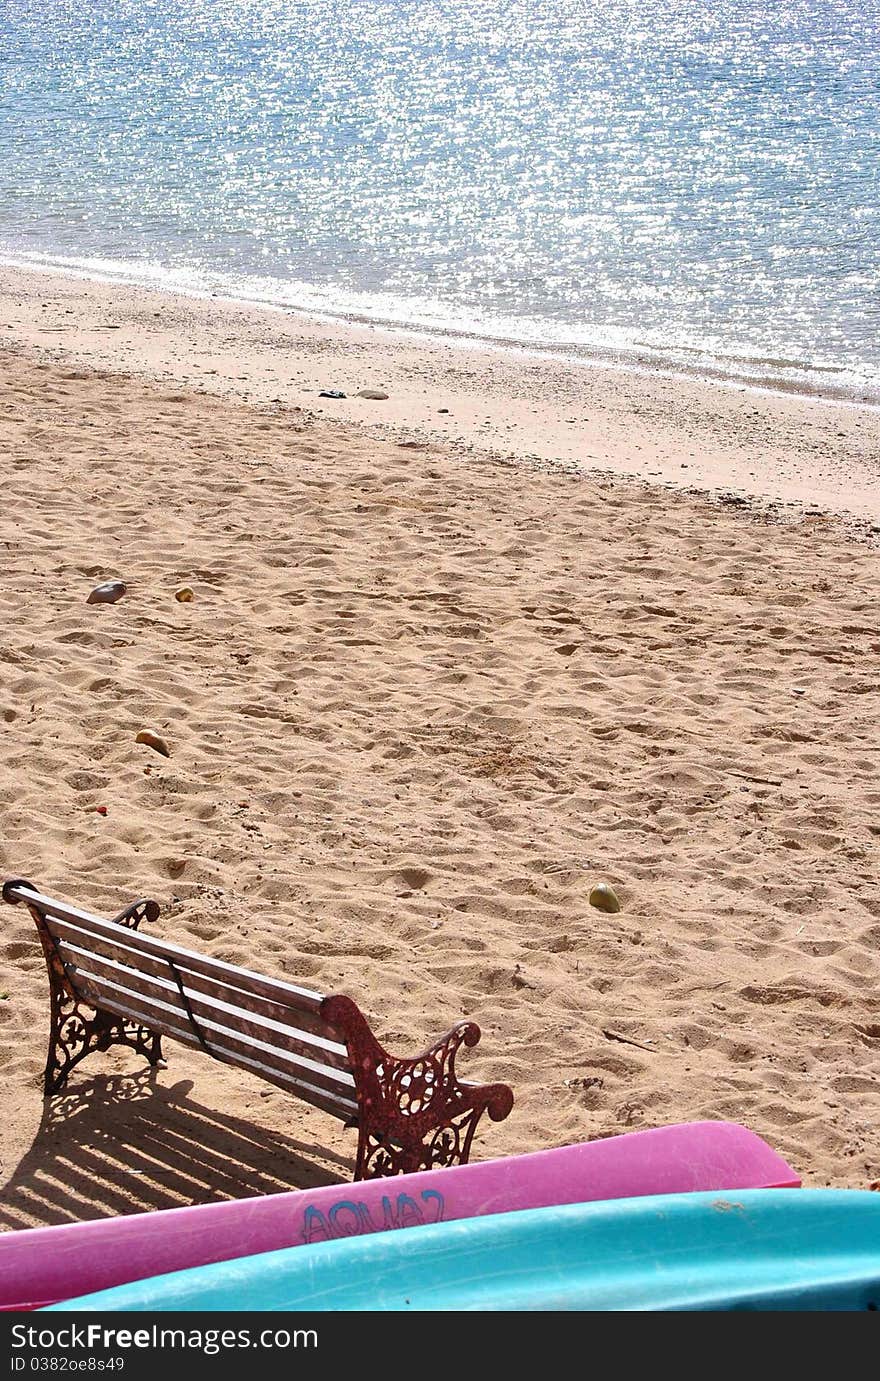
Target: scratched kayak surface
x: 756, y: 1250
x: 43, y: 1265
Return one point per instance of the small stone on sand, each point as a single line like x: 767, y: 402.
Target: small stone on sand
x: 375, y: 393
x: 604, y: 897
x: 184, y: 595
x: 155, y: 741
x: 108, y: 593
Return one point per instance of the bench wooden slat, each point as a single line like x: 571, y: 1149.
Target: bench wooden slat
x: 155, y: 1012
x: 342, y: 1108
x: 297, y: 1027
x: 346, y: 1110
x: 128, y: 1006
x: 218, y: 1009
x: 287, y: 994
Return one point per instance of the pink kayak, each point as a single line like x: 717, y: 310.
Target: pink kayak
x: 40, y: 1266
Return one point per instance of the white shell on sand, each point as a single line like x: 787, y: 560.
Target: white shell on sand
x: 604, y: 897
x: 108, y: 593
x: 155, y: 741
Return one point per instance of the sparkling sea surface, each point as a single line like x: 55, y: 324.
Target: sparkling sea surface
x: 695, y: 182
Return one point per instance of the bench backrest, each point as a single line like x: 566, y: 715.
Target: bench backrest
x: 239, y: 1017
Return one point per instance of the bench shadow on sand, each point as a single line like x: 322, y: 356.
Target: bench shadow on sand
x: 127, y: 1144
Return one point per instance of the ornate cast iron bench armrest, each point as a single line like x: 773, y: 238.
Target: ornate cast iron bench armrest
x: 413, y: 1114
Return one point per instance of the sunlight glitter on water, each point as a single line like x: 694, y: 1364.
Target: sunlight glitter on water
x: 703, y: 186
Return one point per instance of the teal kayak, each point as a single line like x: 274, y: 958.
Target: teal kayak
x: 759, y: 1249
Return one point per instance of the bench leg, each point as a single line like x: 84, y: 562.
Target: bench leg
x: 413, y: 1114
x: 381, y: 1153
x: 74, y: 1034
x: 75, y: 1028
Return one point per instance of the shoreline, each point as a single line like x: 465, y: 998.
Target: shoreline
x: 794, y: 452
x: 636, y: 358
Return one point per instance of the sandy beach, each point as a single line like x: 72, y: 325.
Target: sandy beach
x: 444, y: 671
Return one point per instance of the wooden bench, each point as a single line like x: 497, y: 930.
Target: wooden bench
x: 110, y: 985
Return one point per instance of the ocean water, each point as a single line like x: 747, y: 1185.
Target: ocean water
x: 693, y: 182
